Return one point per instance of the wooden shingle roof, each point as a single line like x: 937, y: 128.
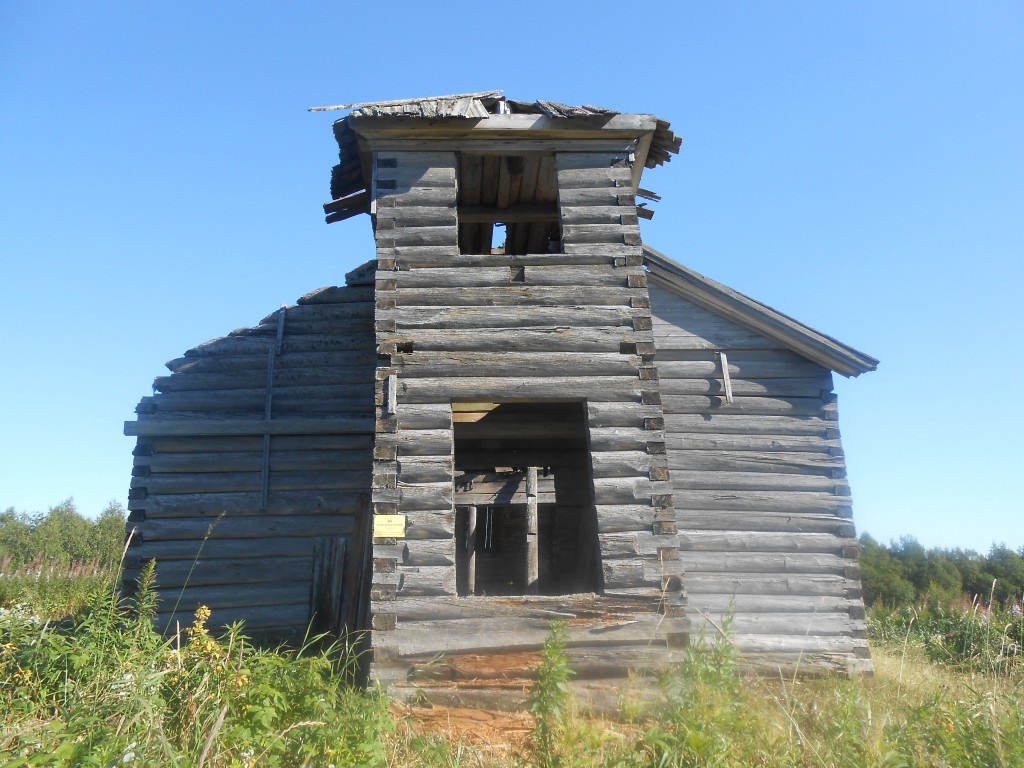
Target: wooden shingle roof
x: 349, y: 185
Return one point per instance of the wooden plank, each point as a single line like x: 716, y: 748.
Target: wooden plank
x: 290, y: 618
x: 232, y: 596
x: 597, y: 388
x: 279, y: 502
x: 515, y: 364
x: 245, y: 482
x: 209, y: 572
x: 485, y: 277
x: 248, y: 527
x: 754, y: 521
x: 765, y: 562
x: 293, y: 364
x: 220, y: 425
x: 746, y: 424
x: 498, y: 317
x: 543, y: 338
x: 532, y: 528
x: 515, y: 295
x: 225, y: 461
x: 742, y: 541
x: 190, y: 549
x: 739, y: 442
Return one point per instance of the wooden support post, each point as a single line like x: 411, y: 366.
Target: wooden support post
x: 532, y: 549
x: 471, y: 546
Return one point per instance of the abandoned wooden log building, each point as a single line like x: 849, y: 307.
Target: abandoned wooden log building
x: 515, y: 413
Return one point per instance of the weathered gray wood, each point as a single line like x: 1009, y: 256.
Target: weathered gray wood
x: 248, y: 527
x: 484, y: 277
x: 532, y: 543
x: 232, y: 596
x: 551, y: 338
x: 733, y: 541
x: 189, y: 549
x: 245, y: 482
x: 761, y: 501
x: 212, y: 571
x: 471, y: 544
x: 516, y: 364
x: 599, y: 388
x: 291, y: 618
x: 279, y: 502
x: 517, y: 295
x: 499, y: 317
x: 755, y: 521
x: 251, y: 461
x: 220, y: 425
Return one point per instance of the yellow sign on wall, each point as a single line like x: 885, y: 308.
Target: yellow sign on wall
x: 389, y: 526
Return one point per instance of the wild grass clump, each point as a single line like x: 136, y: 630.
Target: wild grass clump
x: 963, y: 635
x: 106, y: 689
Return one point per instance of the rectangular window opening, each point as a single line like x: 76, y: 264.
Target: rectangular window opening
x: 516, y: 535
x: 508, y: 204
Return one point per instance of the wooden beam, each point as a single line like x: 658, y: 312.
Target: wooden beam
x: 532, y: 548
x: 509, y: 215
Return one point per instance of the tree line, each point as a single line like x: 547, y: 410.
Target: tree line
x: 906, y: 573
x: 61, y: 535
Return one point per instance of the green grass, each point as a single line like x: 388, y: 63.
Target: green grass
x: 102, y: 688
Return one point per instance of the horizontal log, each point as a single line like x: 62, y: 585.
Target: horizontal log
x: 279, y: 502
x: 796, y: 624
x: 792, y: 502
x: 718, y: 606
x: 209, y: 572
x: 780, y: 462
x: 807, y: 585
x: 426, y: 639
x: 515, y: 364
x: 243, y: 482
x: 412, y: 257
x: 280, y: 461
x: 694, y: 442
x: 780, y: 522
x: 151, y: 446
x: 599, y: 388
x: 307, y: 364
x: 536, y: 339
x: 589, y: 608
x: 748, y: 425
x: 325, y: 380
x: 739, y: 368
x: 717, y: 480
x: 742, y: 541
x: 761, y: 406
x: 351, y: 396
x: 765, y: 562
x: 293, y: 619
x: 799, y: 387
x: 250, y: 527
x: 490, y: 277
x: 234, y: 596
x: 498, y: 317
x: 358, y: 338
x: 216, y: 425
x: 334, y: 294
x: 517, y: 295
x: 190, y: 549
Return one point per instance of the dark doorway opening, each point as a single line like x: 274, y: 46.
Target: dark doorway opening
x: 525, y: 519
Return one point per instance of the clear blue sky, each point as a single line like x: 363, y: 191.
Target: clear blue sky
x: 858, y: 165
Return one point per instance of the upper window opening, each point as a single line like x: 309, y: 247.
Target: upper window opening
x: 508, y: 204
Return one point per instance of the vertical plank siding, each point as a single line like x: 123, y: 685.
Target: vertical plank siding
x: 490, y: 327
x: 253, y: 464
x: 760, y: 491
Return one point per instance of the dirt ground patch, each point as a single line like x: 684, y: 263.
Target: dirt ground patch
x: 495, y: 735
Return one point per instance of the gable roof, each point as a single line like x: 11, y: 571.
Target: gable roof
x: 752, y: 314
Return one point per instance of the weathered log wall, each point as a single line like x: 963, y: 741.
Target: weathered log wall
x: 252, y: 471
x: 573, y: 325
x: 760, y: 490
